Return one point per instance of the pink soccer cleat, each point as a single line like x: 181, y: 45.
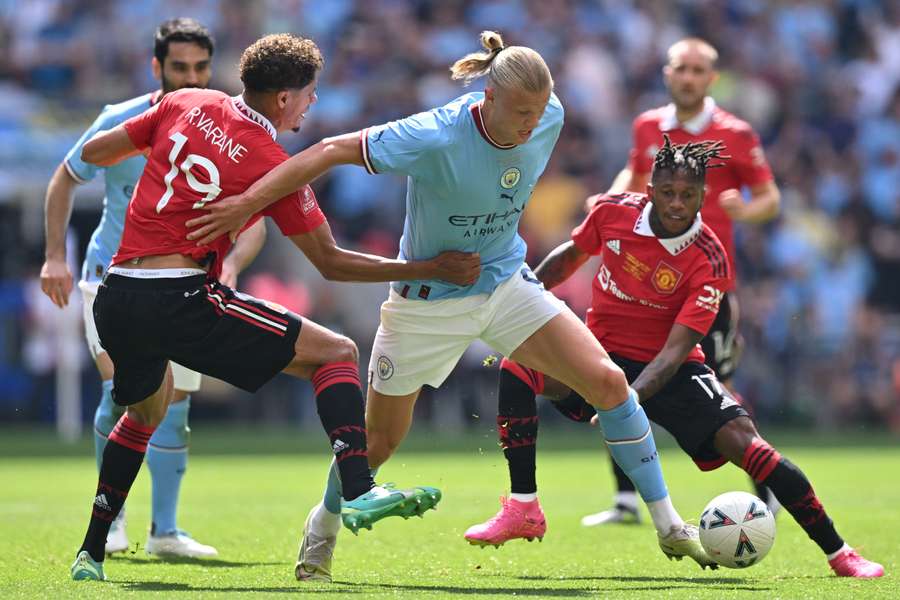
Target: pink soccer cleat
x: 850, y: 564
x: 515, y: 520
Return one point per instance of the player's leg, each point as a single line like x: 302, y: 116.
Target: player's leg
x: 107, y: 413
x: 122, y: 458
x: 167, y: 457
x: 520, y: 514
x: 539, y: 332
x: 740, y: 442
x: 567, y: 351
x: 417, y: 343
x: 722, y: 348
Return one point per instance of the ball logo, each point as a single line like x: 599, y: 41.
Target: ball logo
x: 665, y: 278
x: 385, y: 368
x: 510, y: 178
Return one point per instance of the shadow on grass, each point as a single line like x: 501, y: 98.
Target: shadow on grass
x: 642, y: 579
x: 344, y: 588
x: 199, y: 562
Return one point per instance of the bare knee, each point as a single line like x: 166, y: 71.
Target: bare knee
x: 345, y: 350
x: 607, y: 384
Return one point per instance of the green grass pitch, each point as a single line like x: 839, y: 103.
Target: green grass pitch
x: 252, y: 508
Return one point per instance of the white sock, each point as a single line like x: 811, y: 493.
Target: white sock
x: 665, y: 517
x: 523, y: 497
x: 628, y: 499
x: 843, y: 548
x: 325, y: 523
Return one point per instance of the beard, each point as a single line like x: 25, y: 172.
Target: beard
x: 168, y: 86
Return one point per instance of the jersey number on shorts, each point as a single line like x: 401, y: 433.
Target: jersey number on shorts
x: 713, y: 384
x: 211, y: 189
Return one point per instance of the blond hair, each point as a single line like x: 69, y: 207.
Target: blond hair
x: 702, y: 45
x: 505, y: 66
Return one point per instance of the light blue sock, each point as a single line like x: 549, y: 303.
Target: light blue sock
x: 630, y: 440
x: 331, y: 500
x: 167, y: 455
x: 105, y: 418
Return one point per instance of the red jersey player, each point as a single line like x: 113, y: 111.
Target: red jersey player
x: 160, y: 299
x: 691, y: 116
x: 664, y: 269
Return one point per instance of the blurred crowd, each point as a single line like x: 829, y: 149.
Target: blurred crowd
x: 819, y: 80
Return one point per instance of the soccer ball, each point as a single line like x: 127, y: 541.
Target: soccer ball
x: 737, y: 529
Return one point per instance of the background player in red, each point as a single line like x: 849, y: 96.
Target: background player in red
x: 663, y: 267
x: 692, y: 116
x: 161, y: 301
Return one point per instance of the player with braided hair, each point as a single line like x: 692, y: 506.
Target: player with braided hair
x: 663, y: 267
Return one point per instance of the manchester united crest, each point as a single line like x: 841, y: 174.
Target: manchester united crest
x: 665, y: 278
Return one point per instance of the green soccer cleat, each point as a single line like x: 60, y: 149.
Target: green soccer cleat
x: 386, y: 501
x: 685, y: 541
x: 86, y: 568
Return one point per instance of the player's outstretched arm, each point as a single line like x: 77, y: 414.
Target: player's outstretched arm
x: 337, y: 264
x: 246, y: 248
x: 660, y: 370
x: 560, y: 264
x: 109, y: 147
x: 56, y: 278
x: 229, y: 214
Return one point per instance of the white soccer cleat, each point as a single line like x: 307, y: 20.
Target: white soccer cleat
x: 619, y: 513
x: 178, y: 545
x: 117, y: 538
x: 685, y: 541
x: 316, y: 552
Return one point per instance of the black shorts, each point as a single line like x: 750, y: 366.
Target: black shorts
x: 201, y: 324
x: 722, y: 344
x: 692, y: 406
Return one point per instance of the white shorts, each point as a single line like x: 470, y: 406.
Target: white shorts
x: 419, y: 342
x: 185, y: 379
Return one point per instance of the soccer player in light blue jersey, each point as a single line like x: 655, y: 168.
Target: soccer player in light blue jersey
x: 471, y: 166
x: 182, y: 58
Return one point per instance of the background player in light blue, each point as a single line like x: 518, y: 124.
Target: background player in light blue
x: 182, y: 58
x: 471, y: 167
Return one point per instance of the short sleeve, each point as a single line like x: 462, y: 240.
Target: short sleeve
x: 81, y: 171
x: 749, y: 159
x: 403, y: 147
x: 140, y: 127
x: 638, y: 160
x: 296, y: 213
x: 588, y: 236
x: 702, y: 304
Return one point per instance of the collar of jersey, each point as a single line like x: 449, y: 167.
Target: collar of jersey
x: 251, y: 115
x: 695, y: 125
x: 675, y: 245
x: 479, y: 125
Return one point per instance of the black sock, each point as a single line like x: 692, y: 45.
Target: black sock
x: 575, y: 407
x: 122, y: 460
x: 341, y: 408
x: 791, y: 487
x: 517, y: 423
x: 623, y: 483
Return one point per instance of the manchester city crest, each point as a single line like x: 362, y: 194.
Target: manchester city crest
x: 510, y: 178
x: 385, y: 367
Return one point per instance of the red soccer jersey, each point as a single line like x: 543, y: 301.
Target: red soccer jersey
x: 646, y: 284
x: 203, y: 145
x: 746, y: 167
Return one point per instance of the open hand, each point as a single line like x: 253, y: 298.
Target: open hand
x: 224, y: 216
x: 56, y: 281
x: 460, y: 268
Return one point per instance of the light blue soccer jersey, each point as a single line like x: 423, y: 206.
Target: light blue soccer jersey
x: 464, y: 191
x: 120, y: 182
